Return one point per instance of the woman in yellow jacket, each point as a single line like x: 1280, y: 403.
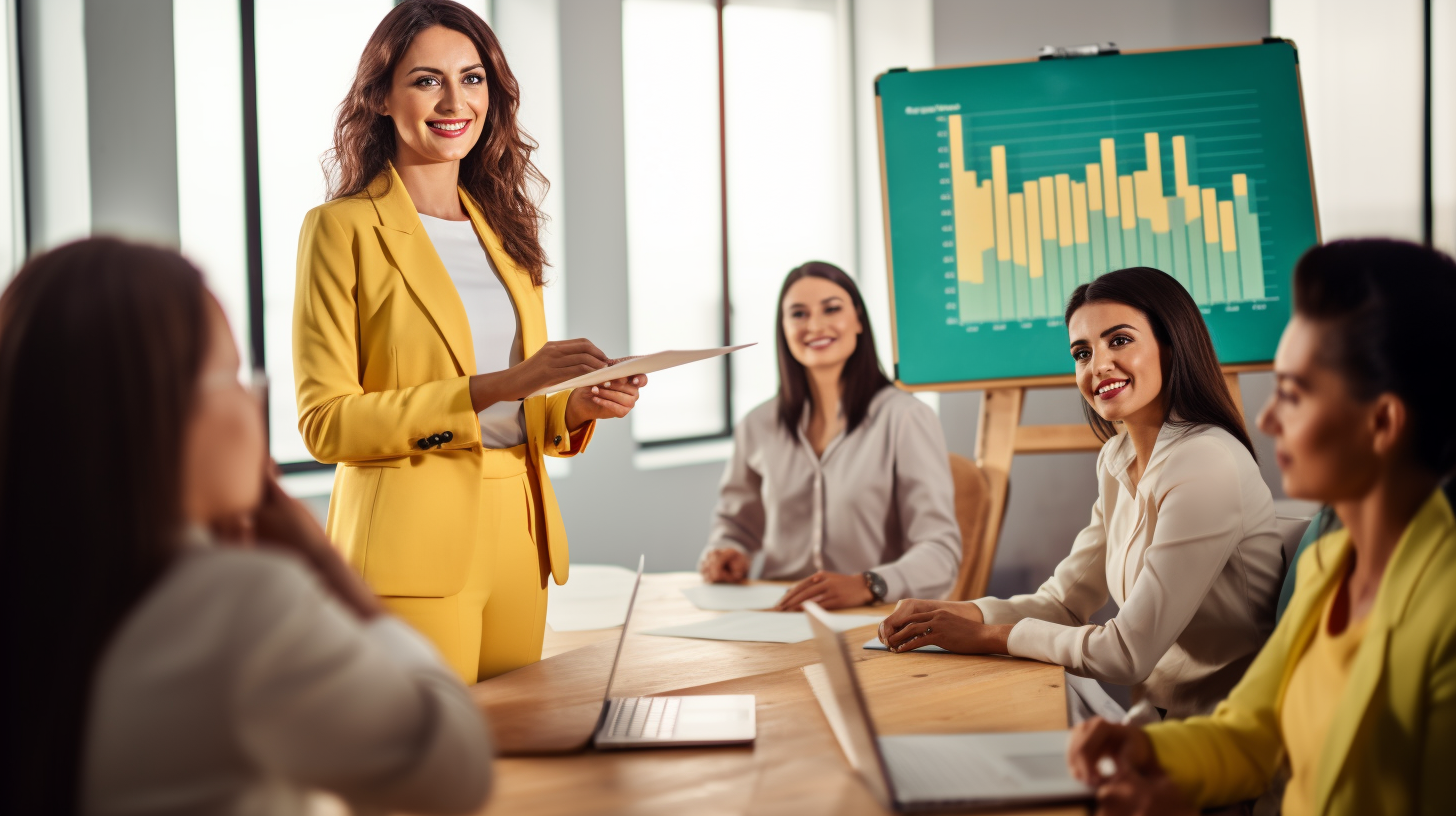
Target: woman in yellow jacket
x: 423, y: 270
x: 1354, y: 695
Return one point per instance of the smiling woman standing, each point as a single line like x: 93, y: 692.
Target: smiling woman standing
x: 842, y: 481
x: 419, y: 336
x: 1182, y: 536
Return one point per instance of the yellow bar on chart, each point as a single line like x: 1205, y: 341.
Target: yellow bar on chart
x: 1129, y: 209
x: 1033, y: 228
x: 1154, y: 158
x: 1241, y: 184
x: 1180, y: 166
x: 1094, y: 187
x: 1192, y: 198
x: 998, y: 191
x: 1017, y: 203
x: 964, y: 195
x: 1048, y: 209
x: 1064, y: 209
x: 1080, y: 232
x: 1226, y: 224
x: 957, y: 147
x: 1210, y: 220
x: 1109, y: 172
x: 1149, y: 184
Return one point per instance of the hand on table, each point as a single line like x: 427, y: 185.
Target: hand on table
x: 831, y: 590
x: 613, y: 399
x: 725, y: 565
x: 1137, y: 785
x: 955, y: 626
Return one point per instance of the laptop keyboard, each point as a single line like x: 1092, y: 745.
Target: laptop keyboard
x: 916, y: 769
x: 643, y: 718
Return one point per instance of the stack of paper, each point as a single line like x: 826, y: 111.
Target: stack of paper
x: 761, y: 627
x: 734, y: 597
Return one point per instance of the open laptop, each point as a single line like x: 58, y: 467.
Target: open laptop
x: 918, y: 772
x: 669, y: 722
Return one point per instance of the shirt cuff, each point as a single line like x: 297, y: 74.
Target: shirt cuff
x: 996, y: 611
x: 897, y: 587
x: 1034, y: 639
x: 404, y: 646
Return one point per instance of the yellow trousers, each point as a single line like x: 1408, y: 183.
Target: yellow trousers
x: 496, y: 623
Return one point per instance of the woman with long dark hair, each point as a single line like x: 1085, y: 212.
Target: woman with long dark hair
x: 419, y: 337
x: 150, y: 668
x: 1355, y: 693
x: 1182, y: 536
x: 842, y: 481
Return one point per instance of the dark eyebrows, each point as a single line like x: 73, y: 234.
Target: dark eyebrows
x: 427, y: 70
x: 1081, y: 342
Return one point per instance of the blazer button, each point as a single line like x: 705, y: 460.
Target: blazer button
x: 423, y: 444
x: 557, y: 440
x: 446, y: 436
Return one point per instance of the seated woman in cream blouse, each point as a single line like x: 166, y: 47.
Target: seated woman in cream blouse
x: 1182, y: 536
x: 842, y: 481
x: 153, y: 666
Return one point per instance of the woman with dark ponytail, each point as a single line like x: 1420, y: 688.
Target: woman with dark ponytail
x: 1354, y: 696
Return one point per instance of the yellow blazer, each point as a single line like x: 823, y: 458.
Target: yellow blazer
x: 1392, y: 743
x: 382, y: 356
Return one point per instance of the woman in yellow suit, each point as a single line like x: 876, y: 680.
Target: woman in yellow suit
x: 423, y: 270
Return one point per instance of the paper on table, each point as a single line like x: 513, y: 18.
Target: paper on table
x: 874, y: 644
x: 733, y: 597
x: 761, y: 627
x: 594, y: 597
x: 645, y: 364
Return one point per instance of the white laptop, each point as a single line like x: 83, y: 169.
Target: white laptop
x: 918, y: 772
x: 669, y: 722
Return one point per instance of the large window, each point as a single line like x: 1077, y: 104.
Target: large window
x: 301, y: 79
x: 745, y: 104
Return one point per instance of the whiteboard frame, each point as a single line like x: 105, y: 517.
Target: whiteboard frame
x: 1060, y: 380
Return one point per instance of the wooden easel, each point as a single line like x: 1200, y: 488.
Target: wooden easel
x: 1000, y: 436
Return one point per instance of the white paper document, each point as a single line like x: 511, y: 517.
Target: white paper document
x: 595, y: 596
x: 734, y: 597
x: 646, y: 364
x: 761, y: 627
x: 874, y: 645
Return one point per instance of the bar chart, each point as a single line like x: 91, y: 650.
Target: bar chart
x: 1008, y: 185
x: 1022, y: 248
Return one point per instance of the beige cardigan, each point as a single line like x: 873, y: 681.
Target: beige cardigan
x: 237, y: 686
x: 1192, y: 559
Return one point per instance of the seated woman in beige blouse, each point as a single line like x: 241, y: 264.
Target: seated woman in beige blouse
x: 150, y: 668
x: 842, y: 481
x: 1182, y: 536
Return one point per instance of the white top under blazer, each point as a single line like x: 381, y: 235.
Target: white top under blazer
x: 1193, y: 560
x: 495, y: 329
x: 237, y: 686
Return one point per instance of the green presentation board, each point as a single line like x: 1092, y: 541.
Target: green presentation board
x: 1008, y: 185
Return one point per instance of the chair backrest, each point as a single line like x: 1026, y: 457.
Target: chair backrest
x: 972, y: 506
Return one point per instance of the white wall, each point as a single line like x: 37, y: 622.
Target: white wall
x: 1361, y: 66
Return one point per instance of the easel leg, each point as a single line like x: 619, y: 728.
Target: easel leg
x: 995, y: 447
x: 1232, y: 381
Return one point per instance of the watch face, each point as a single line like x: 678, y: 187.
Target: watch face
x: 877, y: 585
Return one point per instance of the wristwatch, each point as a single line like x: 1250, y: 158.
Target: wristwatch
x: 876, y: 585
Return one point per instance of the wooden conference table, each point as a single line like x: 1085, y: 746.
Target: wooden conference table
x: 795, y: 767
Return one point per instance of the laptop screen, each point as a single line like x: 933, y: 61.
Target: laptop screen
x: 859, y: 742
x: 626, y: 622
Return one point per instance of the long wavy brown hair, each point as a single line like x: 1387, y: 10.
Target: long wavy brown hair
x: 497, y: 172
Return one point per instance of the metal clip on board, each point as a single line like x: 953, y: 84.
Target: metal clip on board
x: 1051, y: 52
